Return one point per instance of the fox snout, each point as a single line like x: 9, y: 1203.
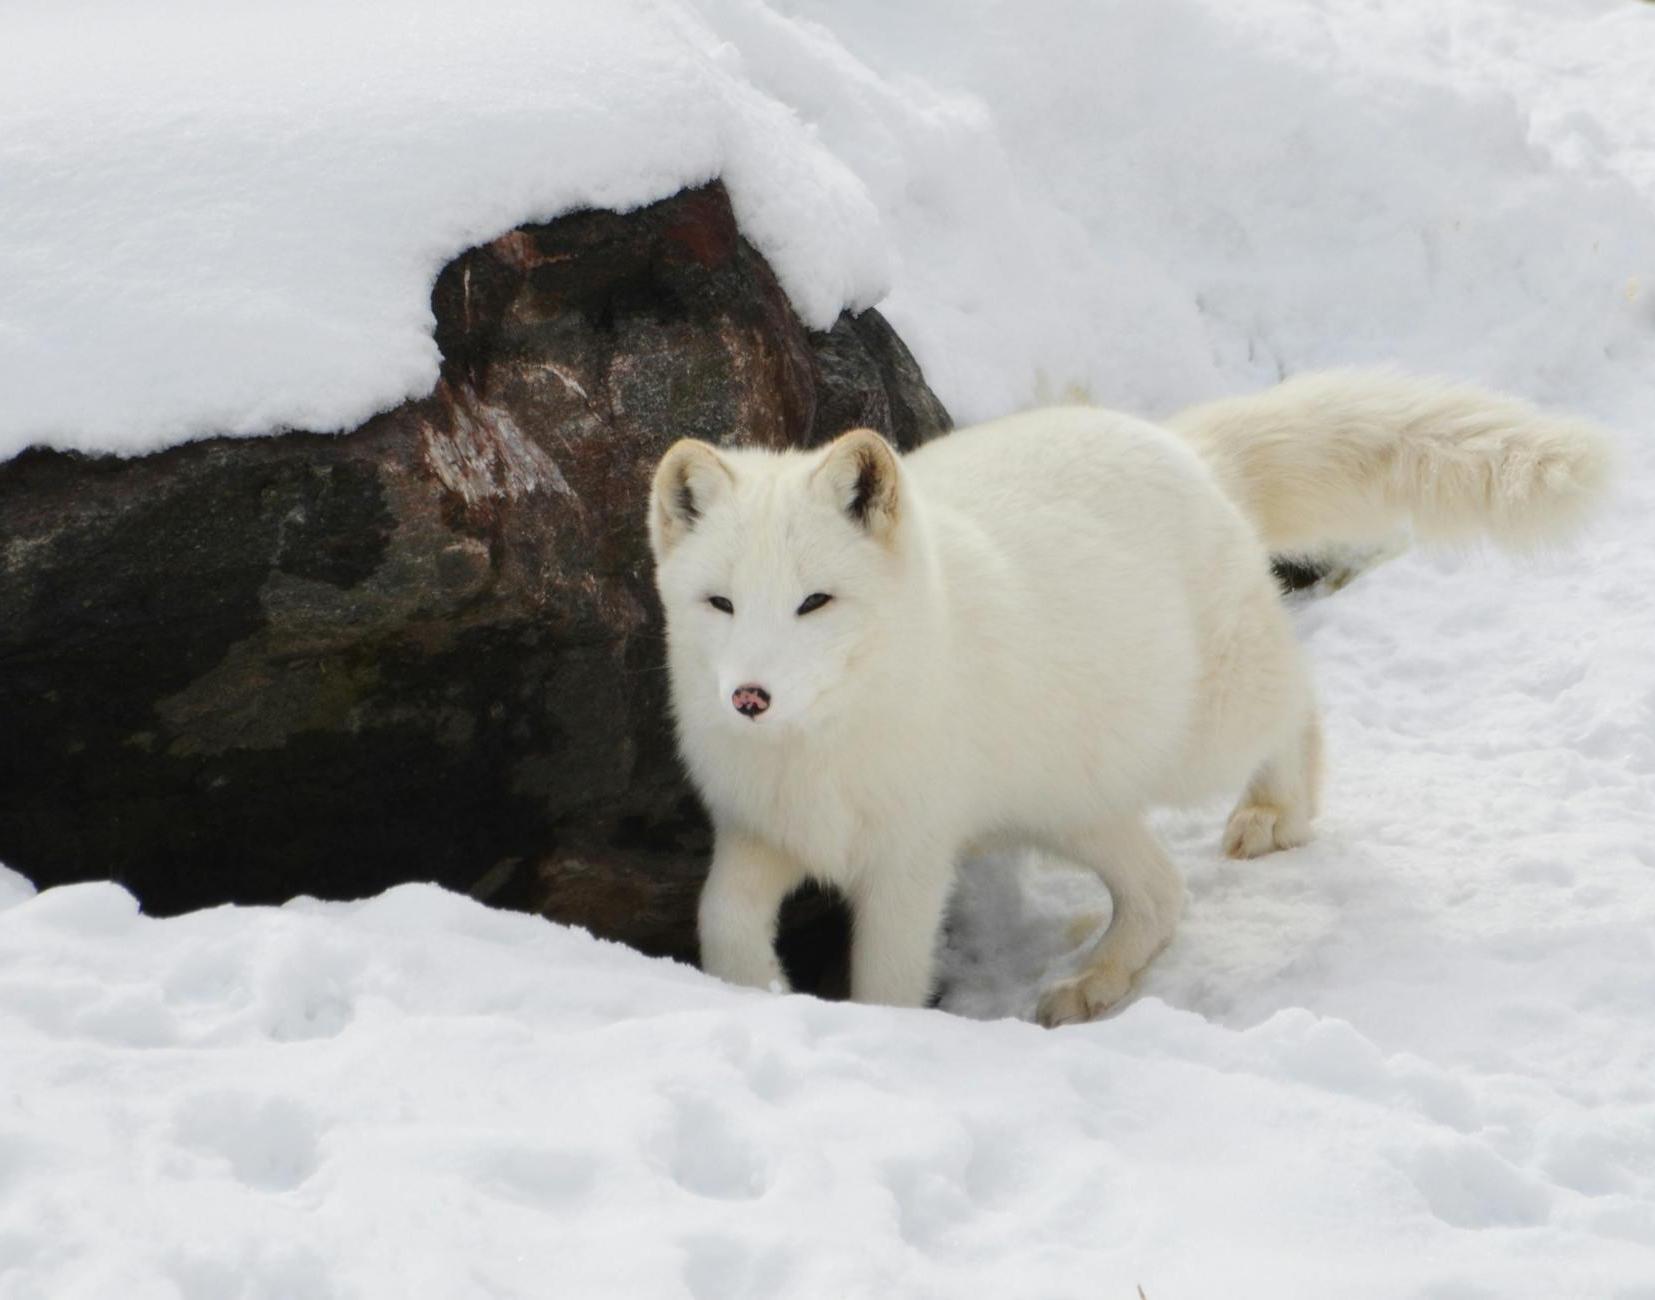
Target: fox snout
x: 750, y: 701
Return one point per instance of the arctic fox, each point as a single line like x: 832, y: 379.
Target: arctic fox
x: 1034, y: 630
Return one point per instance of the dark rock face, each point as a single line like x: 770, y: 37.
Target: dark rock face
x: 428, y: 649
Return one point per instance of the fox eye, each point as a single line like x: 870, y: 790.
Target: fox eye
x: 814, y: 602
x: 721, y: 604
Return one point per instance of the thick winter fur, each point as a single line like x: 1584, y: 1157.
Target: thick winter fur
x: 1038, y: 629
x: 1346, y: 456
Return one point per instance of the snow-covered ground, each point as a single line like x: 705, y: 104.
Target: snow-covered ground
x: 1416, y: 1058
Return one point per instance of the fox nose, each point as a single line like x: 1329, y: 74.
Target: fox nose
x: 750, y: 701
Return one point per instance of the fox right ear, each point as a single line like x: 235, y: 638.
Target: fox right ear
x: 689, y: 478
x: 859, y: 470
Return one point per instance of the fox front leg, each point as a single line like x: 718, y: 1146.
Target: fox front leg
x: 739, y: 906
x: 898, y: 918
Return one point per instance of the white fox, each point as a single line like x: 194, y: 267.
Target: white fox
x: 1032, y: 631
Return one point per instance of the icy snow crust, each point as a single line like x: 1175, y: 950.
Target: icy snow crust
x: 1416, y: 1058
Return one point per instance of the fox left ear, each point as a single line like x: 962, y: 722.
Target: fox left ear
x: 861, y: 472
x: 691, y: 476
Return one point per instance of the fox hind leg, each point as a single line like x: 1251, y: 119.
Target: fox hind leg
x: 1280, y: 800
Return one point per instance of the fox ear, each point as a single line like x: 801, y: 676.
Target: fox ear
x: 860, y: 471
x: 691, y: 476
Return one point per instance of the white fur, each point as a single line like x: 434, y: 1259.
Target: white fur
x: 1344, y: 456
x: 1041, y: 627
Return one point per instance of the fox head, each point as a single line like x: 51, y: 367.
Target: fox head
x: 777, y: 573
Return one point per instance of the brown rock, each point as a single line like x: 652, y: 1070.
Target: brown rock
x: 428, y: 649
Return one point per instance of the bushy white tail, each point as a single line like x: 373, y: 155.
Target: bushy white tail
x: 1352, y: 456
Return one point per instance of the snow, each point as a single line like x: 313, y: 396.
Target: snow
x: 1416, y: 1058
x: 226, y: 217
x: 414, y: 1096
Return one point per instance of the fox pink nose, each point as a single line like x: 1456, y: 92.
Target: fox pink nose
x: 750, y: 701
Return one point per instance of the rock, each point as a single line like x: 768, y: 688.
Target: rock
x: 428, y: 649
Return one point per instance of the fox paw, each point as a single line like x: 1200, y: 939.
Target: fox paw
x: 1082, y: 998
x: 1256, y: 829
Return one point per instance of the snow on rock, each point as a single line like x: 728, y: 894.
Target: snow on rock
x: 227, y: 217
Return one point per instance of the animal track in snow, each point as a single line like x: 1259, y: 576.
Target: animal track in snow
x: 269, y: 1143
x: 710, y: 1157
x: 1467, y: 1185
x: 941, y: 1190
x: 306, y: 992
x: 932, y: 1205
x: 759, y: 1060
